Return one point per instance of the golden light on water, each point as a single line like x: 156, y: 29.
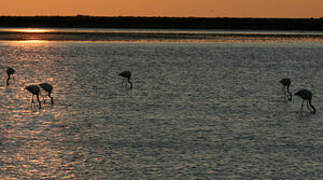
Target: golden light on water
x: 33, y: 41
x: 31, y: 30
x: 27, y: 43
x: 27, y: 35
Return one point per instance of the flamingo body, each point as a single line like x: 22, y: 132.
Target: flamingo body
x: 286, y: 82
x: 48, y: 88
x: 306, y: 95
x: 126, y: 75
x: 34, y: 90
x: 10, y: 71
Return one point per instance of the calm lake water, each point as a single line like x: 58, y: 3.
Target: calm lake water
x: 199, y: 109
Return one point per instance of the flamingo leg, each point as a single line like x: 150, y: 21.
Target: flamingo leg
x: 8, y: 80
x: 290, y: 96
x: 302, y: 105
x: 44, y: 99
x: 130, y: 83
x: 39, y: 101
x: 284, y: 92
x: 122, y: 83
x: 51, y: 98
x: 308, y: 106
x: 32, y: 99
x: 287, y: 95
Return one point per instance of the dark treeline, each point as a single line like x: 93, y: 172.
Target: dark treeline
x: 81, y: 21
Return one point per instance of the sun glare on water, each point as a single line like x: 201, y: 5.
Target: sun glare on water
x: 33, y: 41
x: 31, y: 30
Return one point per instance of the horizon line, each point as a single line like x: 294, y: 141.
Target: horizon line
x: 202, y: 17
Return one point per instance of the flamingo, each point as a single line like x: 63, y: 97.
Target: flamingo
x: 127, y: 76
x: 34, y: 90
x: 48, y: 88
x: 286, y: 83
x: 306, y: 95
x: 10, y: 72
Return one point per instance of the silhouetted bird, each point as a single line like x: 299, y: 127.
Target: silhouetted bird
x: 10, y: 72
x: 306, y: 95
x: 35, y: 91
x: 48, y: 88
x: 286, y: 83
x: 127, y: 76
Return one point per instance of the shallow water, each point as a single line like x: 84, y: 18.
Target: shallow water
x: 211, y: 110
x: 141, y: 35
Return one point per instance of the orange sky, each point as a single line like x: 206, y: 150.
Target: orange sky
x: 179, y: 8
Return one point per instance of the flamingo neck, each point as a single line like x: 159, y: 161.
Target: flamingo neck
x: 8, y: 79
x: 130, y: 83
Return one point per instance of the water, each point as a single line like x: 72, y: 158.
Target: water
x: 82, y: 34
x: 198, y: 110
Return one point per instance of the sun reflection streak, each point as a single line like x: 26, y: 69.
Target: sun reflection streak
x: 27, y: 42
x: 35, y: 41
x: 31, y: 30
x: 27, y: 35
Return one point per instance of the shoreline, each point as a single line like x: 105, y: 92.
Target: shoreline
x: 217, y: 23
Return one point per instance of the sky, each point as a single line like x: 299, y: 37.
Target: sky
x: 169, y: 8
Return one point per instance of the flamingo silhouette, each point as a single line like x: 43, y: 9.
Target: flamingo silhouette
x: 306, y: 95
x: 286, y: 83
x: 127, y: 76
x: 48, y: 88
x: 34, y: 90
x: 10, y: 72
